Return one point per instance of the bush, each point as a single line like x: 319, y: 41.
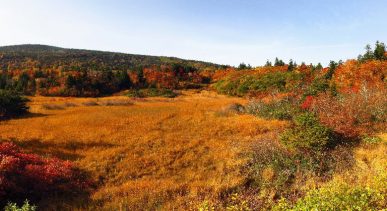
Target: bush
x: 278, y: 109
x: 338, y: 197
x: 152, y: 92
x: 12, y: 104
x: 53, y: 106
x: 234, y: 108
x: 116, y: 102
x: 274, y: 171
x: 90, y: 103
x: 371, y: 140
x: 25, y: 207
x: 31, y: 176
x: 353, y: 113
x: 307, y: 134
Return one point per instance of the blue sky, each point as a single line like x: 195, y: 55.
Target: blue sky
x: 220, y: 31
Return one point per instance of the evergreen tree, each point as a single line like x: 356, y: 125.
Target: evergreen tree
x: 123, y: 80
x: 268, y: 63
x: 278, y: 62
x: 380, y: 50
x: 319, y: 66
x: 242, y: 66
x: 291, y: 65
x: 332, y: 67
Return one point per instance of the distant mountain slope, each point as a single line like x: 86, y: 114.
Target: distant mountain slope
x: 50, y: 57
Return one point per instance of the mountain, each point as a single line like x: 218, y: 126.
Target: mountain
x: 50, y: 57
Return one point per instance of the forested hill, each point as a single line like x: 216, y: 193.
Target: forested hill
x: 43, y: 57
x: 48, y: 70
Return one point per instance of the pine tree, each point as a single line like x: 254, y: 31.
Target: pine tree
x: 380, y: 50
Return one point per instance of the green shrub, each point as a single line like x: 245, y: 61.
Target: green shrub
x: 371, y: 140
x: 272, y: 80
x: 12, y: 104
x: 206, y: 206
x: 338, y: 196
x: 151, y: 92
x: 318, y: 85
x: 237, y: 203
x: 307, y: 134
x: 274, y: 167
x: 26, y: 207
x: 242, y: 85
x: 280, y: 109
x: 227, y: 86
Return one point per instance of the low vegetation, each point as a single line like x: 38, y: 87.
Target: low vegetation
x: 152, y: 92
x: 34, y: 177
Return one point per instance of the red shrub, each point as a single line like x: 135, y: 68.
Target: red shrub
x: 307, y: 102
x: 354, y: 113
x: 31, y: 176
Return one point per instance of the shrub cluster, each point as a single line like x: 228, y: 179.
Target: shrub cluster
x: 152, y: 92
x: 31, y: 176
x: 338, y: 196
x: 308, y: 134
x: 278, y: 109
x: 354, y: 113
x: 242, y: 85
x: 12, y: 104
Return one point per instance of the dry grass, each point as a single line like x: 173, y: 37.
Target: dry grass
x: 156, y: 153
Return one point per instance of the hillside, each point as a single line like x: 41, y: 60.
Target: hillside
x: 49, y: 57
x: 53, y: 71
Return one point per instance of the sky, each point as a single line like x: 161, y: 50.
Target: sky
x: 220, y: 31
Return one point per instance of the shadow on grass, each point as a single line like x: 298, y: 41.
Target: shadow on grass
x: 68, y: 150
x: 25, y: 116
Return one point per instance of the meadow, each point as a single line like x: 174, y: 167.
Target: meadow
x: 153, y: 152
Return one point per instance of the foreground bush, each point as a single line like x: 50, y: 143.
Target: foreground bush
x: 338, y: 196
x: 31, y: 176
x: 308, y: 134
x: 12, y: 104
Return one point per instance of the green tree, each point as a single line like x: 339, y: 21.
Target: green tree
x: 291, y: 65
x: 242, y: 66
x: 12, y: 104
x: 123, y: 80
x: 278, y: 62
x: 319, y: 66
x: 268, y: 63
x: 332, y: 67
x: 380, y: 50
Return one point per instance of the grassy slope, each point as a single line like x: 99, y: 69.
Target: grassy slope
x: 169, y: 153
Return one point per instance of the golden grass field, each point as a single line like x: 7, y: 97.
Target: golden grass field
x: 156, y: 153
